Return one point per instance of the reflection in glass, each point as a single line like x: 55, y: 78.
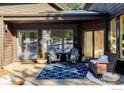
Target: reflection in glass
x: 99, y: 43
x: 68, y: 40
x: 22, y: 42
x: 122, y: 36
x: 93, y: 47
x: 60, y: 40
x: 33, y: 37
x: 88, y: 45
x: 113, y: 36
x: 27, y: 45
x: 32, y: 45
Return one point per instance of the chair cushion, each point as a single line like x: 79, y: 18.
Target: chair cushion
x: 93, y: 61
x: 102, y: 59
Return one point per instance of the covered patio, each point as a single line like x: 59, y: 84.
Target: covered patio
x: 27, y: 39
x: 40, y: 30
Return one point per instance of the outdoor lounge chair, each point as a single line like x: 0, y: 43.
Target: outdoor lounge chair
x: 52, y: 56
x: 74, y: 55
x: 104, y: 64
x: 99, y: 66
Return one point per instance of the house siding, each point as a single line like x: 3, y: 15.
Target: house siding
x: 92, y: 25
x: 8, y: 47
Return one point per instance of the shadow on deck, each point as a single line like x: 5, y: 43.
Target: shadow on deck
x: 29, y: 72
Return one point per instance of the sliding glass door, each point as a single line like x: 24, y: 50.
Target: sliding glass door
x: 93, y: 44
x: 60, y: 40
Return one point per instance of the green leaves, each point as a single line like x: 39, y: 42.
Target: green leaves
x: 74, y: 6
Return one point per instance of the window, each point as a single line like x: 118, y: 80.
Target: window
x: 113, y: 36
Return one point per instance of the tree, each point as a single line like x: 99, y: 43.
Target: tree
x: 74, y: 6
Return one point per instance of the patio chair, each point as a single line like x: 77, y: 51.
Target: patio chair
x: 52, y: 56
x: 104, y: 64
x: 99, y: 66
x: 74, y: 55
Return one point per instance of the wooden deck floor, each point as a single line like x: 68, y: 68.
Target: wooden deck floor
x: 29, y: 72
x: 2, y: 72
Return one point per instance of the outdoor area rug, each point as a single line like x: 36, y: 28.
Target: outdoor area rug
x: 63, y: 71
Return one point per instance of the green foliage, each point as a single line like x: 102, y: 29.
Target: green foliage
x: 74, y: 6
x: 57, y: 35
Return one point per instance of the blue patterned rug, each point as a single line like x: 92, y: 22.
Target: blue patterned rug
x: 63, y: 71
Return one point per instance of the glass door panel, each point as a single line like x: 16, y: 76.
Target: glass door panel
x: 45, y: 42
x: 122, y: 37
x: 27, y: 45
x: 68, y: 40
x: 32, y: 45
x: 88, y: 45
x: 56, y: 36
x: 113, y: 36
x: 51, y: 39
x: 22, y: 42
x: 98, y: 44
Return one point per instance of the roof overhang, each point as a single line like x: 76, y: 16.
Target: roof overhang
x: 56, y: 16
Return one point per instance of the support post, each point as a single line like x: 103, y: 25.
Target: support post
x: 118, y: 36
x: 106, y: 36
x: 93, y: 40
x: 1, y: 41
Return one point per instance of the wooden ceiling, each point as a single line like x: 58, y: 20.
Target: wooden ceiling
x: 36, y: 8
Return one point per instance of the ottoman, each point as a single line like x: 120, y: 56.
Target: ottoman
x: 112, y: 77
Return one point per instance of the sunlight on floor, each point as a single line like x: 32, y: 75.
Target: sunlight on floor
x: 29, y: 72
